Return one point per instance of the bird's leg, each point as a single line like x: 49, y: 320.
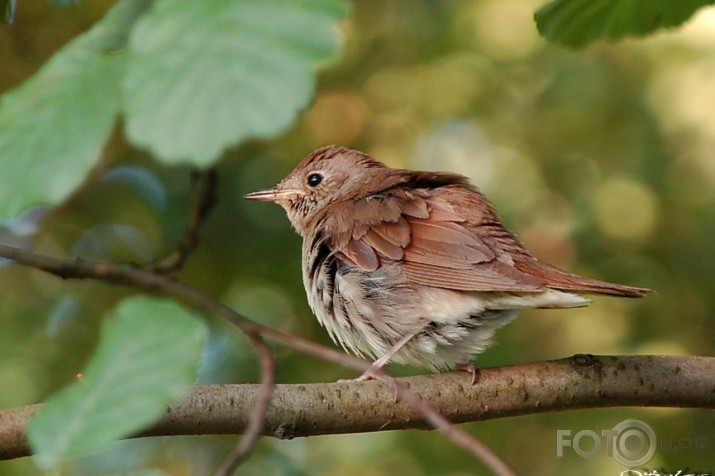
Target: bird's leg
x: 468, y: 367
x: 369, y: 374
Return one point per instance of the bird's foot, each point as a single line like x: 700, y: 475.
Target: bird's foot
x: 371, y: 374
x: 468, y: 367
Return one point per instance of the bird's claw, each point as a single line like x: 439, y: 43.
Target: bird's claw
x: 371, y: 374
x: 468, y: 367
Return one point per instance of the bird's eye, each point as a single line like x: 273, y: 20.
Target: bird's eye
x: 314, y: 179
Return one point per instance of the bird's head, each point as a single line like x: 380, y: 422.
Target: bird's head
x: 328, y: 175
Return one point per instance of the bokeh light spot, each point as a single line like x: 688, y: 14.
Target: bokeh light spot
x: 504, y: 29
x: 336, y: 118
x: 268, y: 305
x: 458, y: 146
x: 626, y: 209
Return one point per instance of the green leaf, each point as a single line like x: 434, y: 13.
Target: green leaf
x: 577, y: 22
x: 203, y: 75
x: 53, y: 126
x: 147, y: 357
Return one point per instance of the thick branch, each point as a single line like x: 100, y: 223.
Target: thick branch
x: 582, y: 381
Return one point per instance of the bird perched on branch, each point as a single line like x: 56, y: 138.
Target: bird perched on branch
x: 413, y: 267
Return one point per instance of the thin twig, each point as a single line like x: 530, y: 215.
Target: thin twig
x: 455, y: 433
x: 146, y: 280
x: 203, y: 199
x: 257, y: 419
x: 120, y: 274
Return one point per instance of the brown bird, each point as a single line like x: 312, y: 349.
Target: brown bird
x: 413, y: 267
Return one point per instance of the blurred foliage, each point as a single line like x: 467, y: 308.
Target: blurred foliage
x: 140, y: 367
x: 65, y: 112
x: 188, y: 79
x: 600, y: 159
x: 225, y: 70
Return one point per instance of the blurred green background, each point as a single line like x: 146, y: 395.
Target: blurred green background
x: 600, y: 159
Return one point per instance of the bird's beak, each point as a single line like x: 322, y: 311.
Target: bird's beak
x: 273, y: 194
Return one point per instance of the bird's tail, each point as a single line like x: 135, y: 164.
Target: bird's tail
x: 564, y: 281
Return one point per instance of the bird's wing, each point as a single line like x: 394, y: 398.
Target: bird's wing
x: 430, y: 239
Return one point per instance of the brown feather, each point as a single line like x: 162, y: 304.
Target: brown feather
x: 440, y: 253
x: 485, y: 277
x: 384, y: 247
x: 416, y: 207
x: 361, y: 254
x: 397, y: 233
x: 563, y: 281
x: 452, y: 249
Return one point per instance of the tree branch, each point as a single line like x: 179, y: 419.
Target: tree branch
x: 581, y: 381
